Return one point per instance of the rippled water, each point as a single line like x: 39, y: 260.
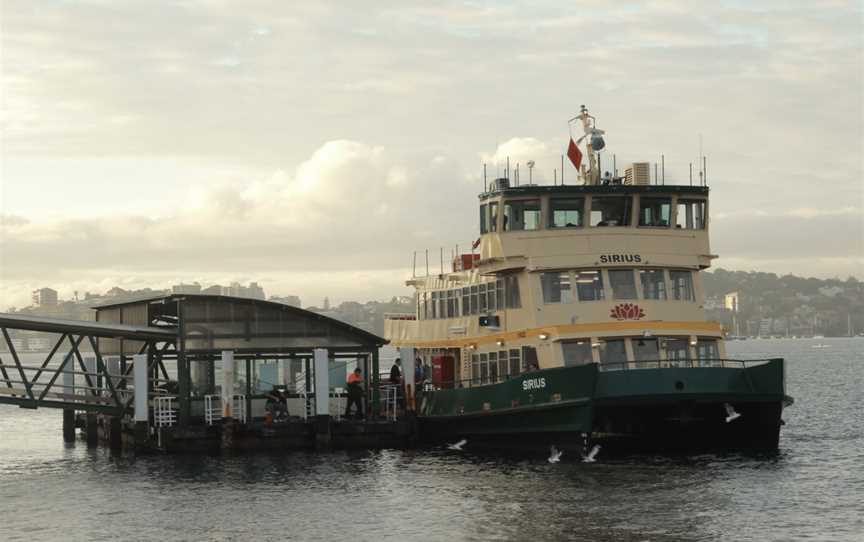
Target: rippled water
x: 812, y: 489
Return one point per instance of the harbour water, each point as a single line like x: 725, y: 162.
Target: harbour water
x: 811, y: 489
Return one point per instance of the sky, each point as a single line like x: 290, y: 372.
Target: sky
x: 314, y: 146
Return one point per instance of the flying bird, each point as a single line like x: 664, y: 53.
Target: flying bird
x: 730, y: 412
x: 458, y: 446
x: 590, y: 458
x: 555, y: 454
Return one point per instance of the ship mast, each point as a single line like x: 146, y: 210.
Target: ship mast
x: 593, y: 175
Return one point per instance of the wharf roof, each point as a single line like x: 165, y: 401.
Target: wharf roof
x: 360, y: 335
x: 96, y: 329
x: 578, y: 190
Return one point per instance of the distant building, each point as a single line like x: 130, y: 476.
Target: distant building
x: 292, y: 300
x: 254, y: 290
x: 181, y: 288
x: 45, y: 297
x: 730, y: 301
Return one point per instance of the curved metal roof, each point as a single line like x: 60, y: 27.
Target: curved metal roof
x: 361, y: 334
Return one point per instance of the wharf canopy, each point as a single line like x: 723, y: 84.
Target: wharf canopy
x: 212, y: 323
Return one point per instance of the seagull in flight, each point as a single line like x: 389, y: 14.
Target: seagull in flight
x: 458, y: 446
x: 555, y: 454
x: 590, y: 458
x: 730, y: 412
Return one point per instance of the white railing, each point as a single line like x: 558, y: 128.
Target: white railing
x: 389, y: 398
x: 164, y: 413
x: 213, y: 408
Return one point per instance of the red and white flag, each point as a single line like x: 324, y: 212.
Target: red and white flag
x: 574, y: 154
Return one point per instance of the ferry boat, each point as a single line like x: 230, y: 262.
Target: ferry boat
x: 580, y: 321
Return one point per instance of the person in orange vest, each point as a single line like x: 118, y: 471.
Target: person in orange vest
x: 355, y: 393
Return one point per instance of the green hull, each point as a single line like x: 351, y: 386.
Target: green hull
x: 663, y: 408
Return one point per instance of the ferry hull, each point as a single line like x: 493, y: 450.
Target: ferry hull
x: 666, y: 409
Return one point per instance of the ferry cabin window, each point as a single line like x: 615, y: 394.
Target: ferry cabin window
x: 511, y: 286
x: 655, y: 212
x: 482, y: 297
x: 491, y: 298
x: 522, y: 215
x: 577, y: 353
x: 613, y: 354
x: 475, y: 301
x: 466, y: 301
x: 589, y: 285
x: 499, y: 294
x: 475, y: 369
x: 484, y: 368
x: 690, y: 214
x: 678, y: 352
x: 566, y: 213
x: 623, y: 284
x: 556, y: 287
x: 434, y: 305
x: 682, y: 285
x: 610, y: 210
x: 493, y: 367
x: 515, y: 364
x: 493, y: 217
x: 646, y: 351
x: 707, y: 353
x: 503, y: 366
x: 653, y: 283
x: 529, y: 358
x: 484, y: 220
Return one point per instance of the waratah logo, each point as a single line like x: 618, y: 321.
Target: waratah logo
x: 627, y: 311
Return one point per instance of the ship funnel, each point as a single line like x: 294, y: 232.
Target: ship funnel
x: 502, y: 184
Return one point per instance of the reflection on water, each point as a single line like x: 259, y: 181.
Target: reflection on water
x: 811, y: 488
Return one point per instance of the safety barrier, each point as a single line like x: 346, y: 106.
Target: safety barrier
x: 164, y: 412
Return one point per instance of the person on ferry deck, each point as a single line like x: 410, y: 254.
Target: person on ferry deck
x: 396, y: 372
x: 419, y: 372
x: 355, y: 393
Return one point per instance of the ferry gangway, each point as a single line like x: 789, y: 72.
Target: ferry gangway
x: 75, y: 373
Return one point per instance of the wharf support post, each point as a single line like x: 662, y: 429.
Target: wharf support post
x: 68, y: 425
x: 91, y: 429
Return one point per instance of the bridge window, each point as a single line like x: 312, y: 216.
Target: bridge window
x: 623, y: 283
x: 577, y: 353
x: 566, y: 213
x: 493, y: 217
x: 655, y: 212
x: 690, y: 214
x: 556, y: 287
x: 499, y: 295
x: 610, y: 210
x: 482, y: 297
x: 613, y: 353
x: 589, y: 285
x: 682, y: 285
x: 522, y: 215
x: 653, y: 283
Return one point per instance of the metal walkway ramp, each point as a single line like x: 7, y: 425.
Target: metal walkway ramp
x: 75, y: 374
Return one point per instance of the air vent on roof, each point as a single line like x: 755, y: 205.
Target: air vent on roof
x: 638, y: 173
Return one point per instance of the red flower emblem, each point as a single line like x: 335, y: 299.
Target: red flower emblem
x: 627, y: 311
